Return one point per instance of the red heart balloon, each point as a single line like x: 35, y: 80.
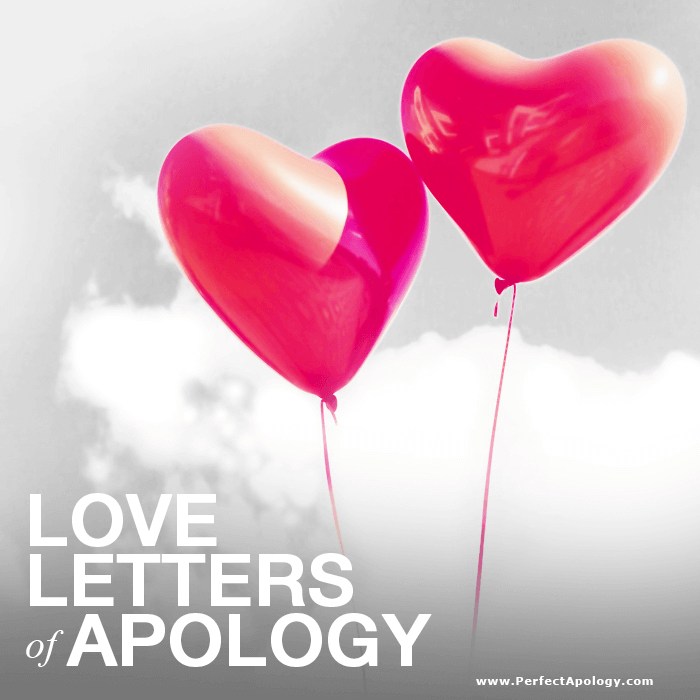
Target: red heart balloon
x: 306, y: 260
x: 534, y: 158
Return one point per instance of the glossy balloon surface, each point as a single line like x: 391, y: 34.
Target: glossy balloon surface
x: 306, y: 260
x: 534, y: 158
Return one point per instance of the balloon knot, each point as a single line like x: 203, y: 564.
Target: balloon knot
x: 501, y: 285
x: 332, y: 405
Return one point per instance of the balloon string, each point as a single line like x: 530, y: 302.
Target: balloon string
x: 488, y: 479
x: 335, y: 512
x: 328, y: 471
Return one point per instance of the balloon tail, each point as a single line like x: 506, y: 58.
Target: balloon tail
x: 501, y: 285
x: 331, y: 408
x: 488, y: 480
x: 495, y: 310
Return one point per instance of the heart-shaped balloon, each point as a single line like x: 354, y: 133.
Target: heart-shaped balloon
x: 306, y: 260
x: 534, y: 158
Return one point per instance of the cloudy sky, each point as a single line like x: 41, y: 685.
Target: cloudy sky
x: 117, y: 378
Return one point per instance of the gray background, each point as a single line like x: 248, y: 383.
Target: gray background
x: 592, y: 561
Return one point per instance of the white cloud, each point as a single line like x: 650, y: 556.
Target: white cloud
x: 595, y: 484
x: 136, y: 199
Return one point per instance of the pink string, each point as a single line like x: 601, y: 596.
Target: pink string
x: 330, y: 404
x: 488, y: 475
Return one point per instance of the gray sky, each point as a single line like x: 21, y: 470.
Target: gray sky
x: 96, y: 95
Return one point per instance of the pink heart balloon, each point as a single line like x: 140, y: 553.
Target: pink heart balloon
x: 306, y: 260
x: 534, y: 158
